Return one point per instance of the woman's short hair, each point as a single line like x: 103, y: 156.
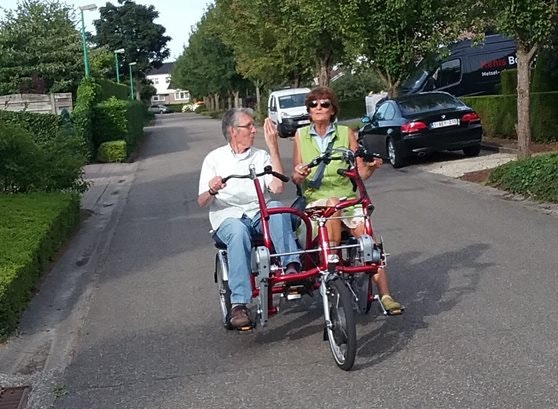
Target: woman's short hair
x: 230, y: 119
x: 323, y: 93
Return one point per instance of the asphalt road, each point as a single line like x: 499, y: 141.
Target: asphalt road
x: 476, y: 272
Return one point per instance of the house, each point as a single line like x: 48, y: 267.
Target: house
x: 161, y: 79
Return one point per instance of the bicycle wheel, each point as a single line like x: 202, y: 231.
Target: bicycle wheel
x: 342, y: 333
x: 224, y: 291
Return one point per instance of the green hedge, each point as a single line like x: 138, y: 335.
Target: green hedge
x: 43, y: 127
x: 352, y: 108
x: 508, y: 82
x: 82, y: 115
x: 499, y: 115
x: 535, y: 177
x: 32, y: 228
x: 112, y: 151
x: 118, y: 120
x: 110, y: 89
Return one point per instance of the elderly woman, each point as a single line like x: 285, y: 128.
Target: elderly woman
x: 325, y: 190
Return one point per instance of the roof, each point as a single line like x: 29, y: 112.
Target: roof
x: 166, y: 68
x: 291, y: 91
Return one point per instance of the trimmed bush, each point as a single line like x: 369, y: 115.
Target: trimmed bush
x: 19, y: 167
x: 32, y: 228
x: 110, y: 89
x: 27, y: 166
x: 112, y: 151
x: 499, y: 115
x: 535, y: 177
x: 43, y: 127
x: 82, y: 115
x: 508, y: 82
x: 352, y: 108
x: 119, y: 120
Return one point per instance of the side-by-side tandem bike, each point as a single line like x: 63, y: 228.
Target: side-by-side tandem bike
x: 342, y: 274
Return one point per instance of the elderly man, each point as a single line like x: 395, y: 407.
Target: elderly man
x: 233, y: 207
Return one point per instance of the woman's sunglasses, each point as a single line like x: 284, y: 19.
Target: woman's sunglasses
x: 324, y: 103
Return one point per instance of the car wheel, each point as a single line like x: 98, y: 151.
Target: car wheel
x: 471, y: 151
x: 394, y: 154
x: 281, y: 132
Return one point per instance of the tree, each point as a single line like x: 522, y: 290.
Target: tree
x: 390, y: 37
x: 40, y: 48
x: 531, y: 24
x: 131, y: 26
x: 207, y: 66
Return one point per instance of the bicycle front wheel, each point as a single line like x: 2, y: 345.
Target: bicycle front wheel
x: 341, y: 334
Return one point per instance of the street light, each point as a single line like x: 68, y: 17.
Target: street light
x: 132, y: 96
x: 116, y: 52
x: 87, y: 7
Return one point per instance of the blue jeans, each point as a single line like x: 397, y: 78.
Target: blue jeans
x: 237, y: 235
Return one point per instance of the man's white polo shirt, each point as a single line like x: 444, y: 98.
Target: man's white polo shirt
x: 239, y: 196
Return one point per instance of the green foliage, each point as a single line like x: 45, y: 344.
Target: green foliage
x: 101, y: 63
x: 19, y: 164
x: 356, y: 85
x: 50, y: 166
x: 112, y: 151
x: 32, y: 228
x: 535, y: 177
x: 119, y: 120
x: 393, y: 35
x: 131, y: 26
x: 545, y: 74
x: 207, y: 66
x: 112, y: 89
x: 43, y: 127
x: 40, y: 49
x: 352, y: 108
x: 499, y: 115
x: 82, y: 115
x: 508, y: 82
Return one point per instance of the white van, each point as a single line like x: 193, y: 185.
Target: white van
x: 287, y: 111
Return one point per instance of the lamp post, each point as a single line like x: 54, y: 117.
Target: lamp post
x: 116, y: 52
x: 87, y: 7
x: 132, y: 96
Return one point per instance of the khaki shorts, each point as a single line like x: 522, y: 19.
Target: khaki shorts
x: 352, y: 216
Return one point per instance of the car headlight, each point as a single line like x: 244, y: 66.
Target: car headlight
x: 285, y: 115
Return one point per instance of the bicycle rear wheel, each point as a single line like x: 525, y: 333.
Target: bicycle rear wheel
x: 224, y: 291
x: 341, y: 334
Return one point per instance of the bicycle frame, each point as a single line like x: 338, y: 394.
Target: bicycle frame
x: 312, y: 273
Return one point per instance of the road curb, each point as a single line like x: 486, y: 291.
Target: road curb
x: 487, y: 146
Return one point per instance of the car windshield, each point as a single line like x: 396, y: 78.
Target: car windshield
x: 291, y: 101
x: 417, y: 78
x: 428, y: 102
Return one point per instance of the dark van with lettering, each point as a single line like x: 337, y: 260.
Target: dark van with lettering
x: 468, y: 70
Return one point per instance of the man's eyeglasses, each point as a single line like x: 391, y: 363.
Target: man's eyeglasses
x: 324, y: 103
x: 247, y: 126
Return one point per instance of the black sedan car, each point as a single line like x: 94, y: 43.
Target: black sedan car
x: 419, y: 124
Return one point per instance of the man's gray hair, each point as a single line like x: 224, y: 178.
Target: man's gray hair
x: 230, y: 119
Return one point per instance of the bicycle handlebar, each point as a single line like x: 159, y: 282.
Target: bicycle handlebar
x: 347, y: 155
x: 268, y: 170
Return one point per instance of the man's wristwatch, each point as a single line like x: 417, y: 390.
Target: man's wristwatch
x: 211, y: 192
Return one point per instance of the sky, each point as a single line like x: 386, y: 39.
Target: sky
x: 176, y: 16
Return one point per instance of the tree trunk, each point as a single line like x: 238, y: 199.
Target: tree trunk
x: 523, y: 126
x: 237, y: 103
x: 324, y: 76
x: 217, y: 102
x: 258, y: 98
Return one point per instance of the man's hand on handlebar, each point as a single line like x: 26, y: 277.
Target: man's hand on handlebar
x: 216, y: 184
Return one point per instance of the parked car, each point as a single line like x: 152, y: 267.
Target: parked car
x: 421, y: 123
x: 287, y: 111
x: 159, y: 109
